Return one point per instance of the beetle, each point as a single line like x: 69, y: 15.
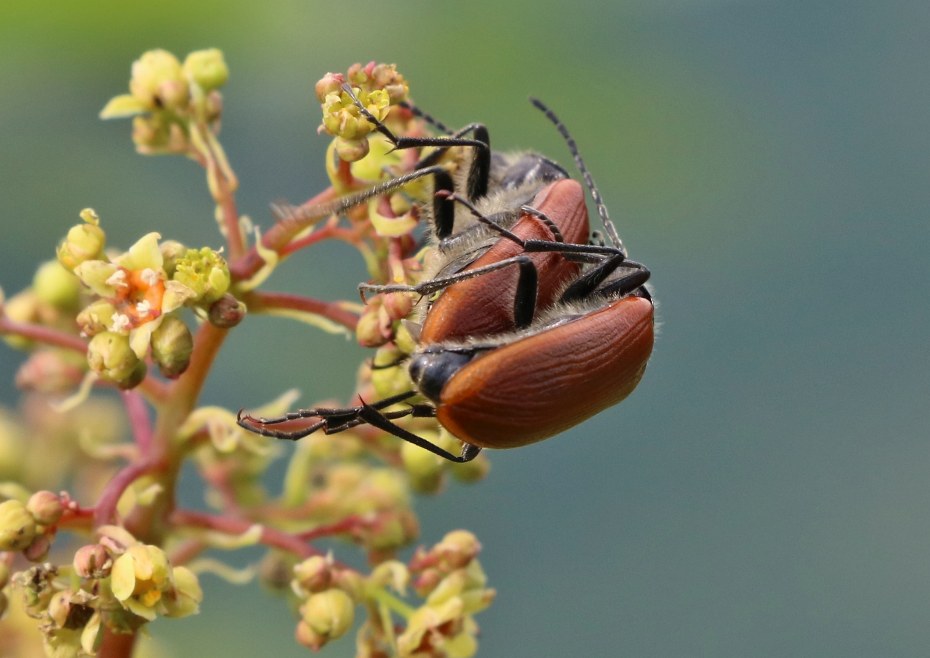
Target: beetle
x: 583, y: 354
x: 518, y: 196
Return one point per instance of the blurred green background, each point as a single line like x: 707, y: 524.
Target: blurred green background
x: 765, y: 491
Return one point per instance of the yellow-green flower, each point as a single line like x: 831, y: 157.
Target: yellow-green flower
x: 185, y: 596
x: 205, y: 272
x: 140, y: 578
x: 83, y: 242
x: 158, y: 80
x: 206, y: 68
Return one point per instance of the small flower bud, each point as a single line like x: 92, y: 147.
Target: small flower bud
x: 427, y: 581
x: 92, y: 561
x: 276, y: 570
x: 59, y: 607
x: 350, y: 582
x: 151, y: 133
x: 150, y: 73
x: 205, y: 272
x: 331, y: 83
x: 49, y: 371
x: 96, y: 317
x: 45, y: 507
x: 398, y: 304
x: 174, y: 94
x: 308, y: 637
x: 83, y: 242
x: 472, y: 471
x: 206, y: 68
x: 314, y: 574
x: 172, y: 345
x: 111, y: 357
x: 37, y: 551
x: 227, y: 312
x: 392, y: 531
x: 368, y: 331
x: 423, y: 468
x: 457, y: 549
x: 57, y: 286
x: 404, y: 339
x: 22, y: 307
x: 351, y: 150
x: 386, y: 77
x: 388, y: 374
x: 171, y: 252
x: 17, y: 527
x: 329, y: 613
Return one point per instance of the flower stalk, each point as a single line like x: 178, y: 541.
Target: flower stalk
x: 85, y: 555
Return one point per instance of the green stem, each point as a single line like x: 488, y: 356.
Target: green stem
x: 393, y: 603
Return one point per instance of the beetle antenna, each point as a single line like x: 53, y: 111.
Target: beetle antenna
x: 609, y: 227
x: 428, y: 118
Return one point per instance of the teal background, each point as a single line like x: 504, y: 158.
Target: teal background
x: 765, y: 491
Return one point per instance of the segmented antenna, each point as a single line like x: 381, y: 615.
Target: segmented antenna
x: 609, y: 227
x: 434, y: 122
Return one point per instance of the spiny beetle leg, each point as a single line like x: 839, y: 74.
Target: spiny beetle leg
x: 375, y: 418
x: 435, y: 285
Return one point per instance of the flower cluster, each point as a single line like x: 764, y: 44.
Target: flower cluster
x: 135, y: 298
x: 452, y: 584
x: 116, y: 583
x: 166, y: 95
x: 90, y: 566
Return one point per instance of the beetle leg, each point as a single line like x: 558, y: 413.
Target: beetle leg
x: 302, y: 217
x: 484, y: 219
x: 588, y: 283
x: 435, y: 285
x: 375, y: 418
x: 332, y: 420
x: 481, y: 164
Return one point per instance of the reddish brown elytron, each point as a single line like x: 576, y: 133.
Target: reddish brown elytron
x: 455, y: 314
x: 541, y: 385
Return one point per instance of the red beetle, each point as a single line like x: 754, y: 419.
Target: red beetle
x: 584, y: 353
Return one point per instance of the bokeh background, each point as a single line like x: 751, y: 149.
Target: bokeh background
x: 765, y: 491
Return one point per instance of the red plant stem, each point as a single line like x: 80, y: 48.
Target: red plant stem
x: 105, y: 511
x: 116, y: 645
x: 138, y: 420
x: 277, y: 237
x: 258, y: 301
x: 269, y: 536
x: 325, y: 233
x: 42, y: 334
x: 346, y: 526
